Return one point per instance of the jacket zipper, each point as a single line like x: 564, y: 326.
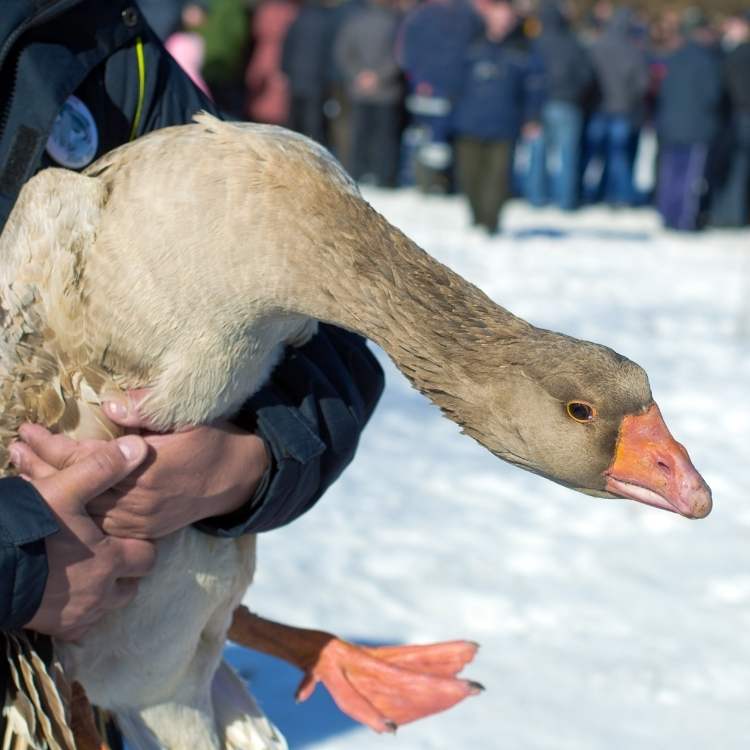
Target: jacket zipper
x: 29, y: 23
x: 52, y: 8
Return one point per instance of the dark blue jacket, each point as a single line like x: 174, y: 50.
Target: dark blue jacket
x: 568, y: 71
x: 321, y: 395
x: 689, y: 109
x: 736, y: 76
x: 503, y: 88
x: 621, y: 69
x: 307, y: 57
x: 432, y: 44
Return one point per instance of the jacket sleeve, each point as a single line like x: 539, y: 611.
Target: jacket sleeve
x: 25, y: 521
x: 319, y: 397
x: 310, y: 415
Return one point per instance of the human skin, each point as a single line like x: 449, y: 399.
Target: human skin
x: 187, y: 476
x: 173, y: 480
x: 90, y: 573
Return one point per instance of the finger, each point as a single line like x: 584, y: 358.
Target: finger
x: 123, y: 593
x: 95, y: 473
x: 83, y: 623
x: 103, y: 511
x: 138, y: 557
x: 104, y: 504
x: 56, y: 450
x: 28, y: 464
x: 126, y: 410
x: 73, y: 634
x: 127, y: 526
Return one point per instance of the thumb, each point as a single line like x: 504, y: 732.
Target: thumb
x: 96, y: 473
x: 125, y: 410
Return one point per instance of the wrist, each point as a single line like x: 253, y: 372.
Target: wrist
x: 253, y: 462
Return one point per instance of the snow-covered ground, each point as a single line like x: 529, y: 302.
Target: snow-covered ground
x: 605, y: 625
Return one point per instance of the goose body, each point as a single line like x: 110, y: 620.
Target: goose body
x: 186, y: 262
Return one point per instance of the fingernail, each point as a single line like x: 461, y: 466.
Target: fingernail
x: 15, y: 456
x: 117, y: 409
x: 24, y: 429
x: 129, y: 446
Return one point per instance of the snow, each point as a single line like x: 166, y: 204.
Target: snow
x: 603, y: 623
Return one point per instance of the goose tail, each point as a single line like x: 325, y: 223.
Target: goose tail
x: 238, y: 716
x: 35, y: 711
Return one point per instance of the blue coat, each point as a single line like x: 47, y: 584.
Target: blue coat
x: 307, y: 56
x: 689, y: 109
x: 503, y: 87
x: 569, y: 74
x: 433, y: 42
x: 320, y: 396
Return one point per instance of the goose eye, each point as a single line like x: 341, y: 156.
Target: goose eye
x: 581, y: 411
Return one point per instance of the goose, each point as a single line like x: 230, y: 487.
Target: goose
x: 254, y: 235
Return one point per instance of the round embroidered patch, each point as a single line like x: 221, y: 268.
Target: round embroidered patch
x: 74, y: 138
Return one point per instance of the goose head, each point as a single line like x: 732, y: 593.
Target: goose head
x: 583, y: 416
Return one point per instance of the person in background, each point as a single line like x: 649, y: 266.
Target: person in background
x: 365, y: 55
x: 665, y: 33
x: 339, y: 104
x: 689, y: 115
x: 731, y: 203
x: 569, y: 77
x: 529, y: 172
x: 665, y: 39
x: 307, y: 62
x: 597, y: 19
x: 612, y: 133
x: 501, y: 98
x: 431, y: 49
x: 187, y: 45
x: 226, y: 45
x: 267, y: 88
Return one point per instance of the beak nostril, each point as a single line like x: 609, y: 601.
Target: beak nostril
x: 665, y: 469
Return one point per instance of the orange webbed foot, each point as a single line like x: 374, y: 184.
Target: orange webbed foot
x: 381, y: 687
x: 393, y: 685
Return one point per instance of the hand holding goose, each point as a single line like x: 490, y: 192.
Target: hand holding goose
x: 254, y: 234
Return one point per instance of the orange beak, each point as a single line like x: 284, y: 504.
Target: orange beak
x: 650, y: 466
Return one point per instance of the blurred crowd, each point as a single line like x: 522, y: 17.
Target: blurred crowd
x: 493, y: 98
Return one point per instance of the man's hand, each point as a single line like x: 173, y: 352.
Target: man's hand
x: 188, y: 476
x: 366, y: 81
x: 531, y: 130
x: 89, y: 572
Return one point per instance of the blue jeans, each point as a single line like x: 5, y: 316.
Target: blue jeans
x: 612, y: 140
x: 563, y: 130
x: 533, y: 183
